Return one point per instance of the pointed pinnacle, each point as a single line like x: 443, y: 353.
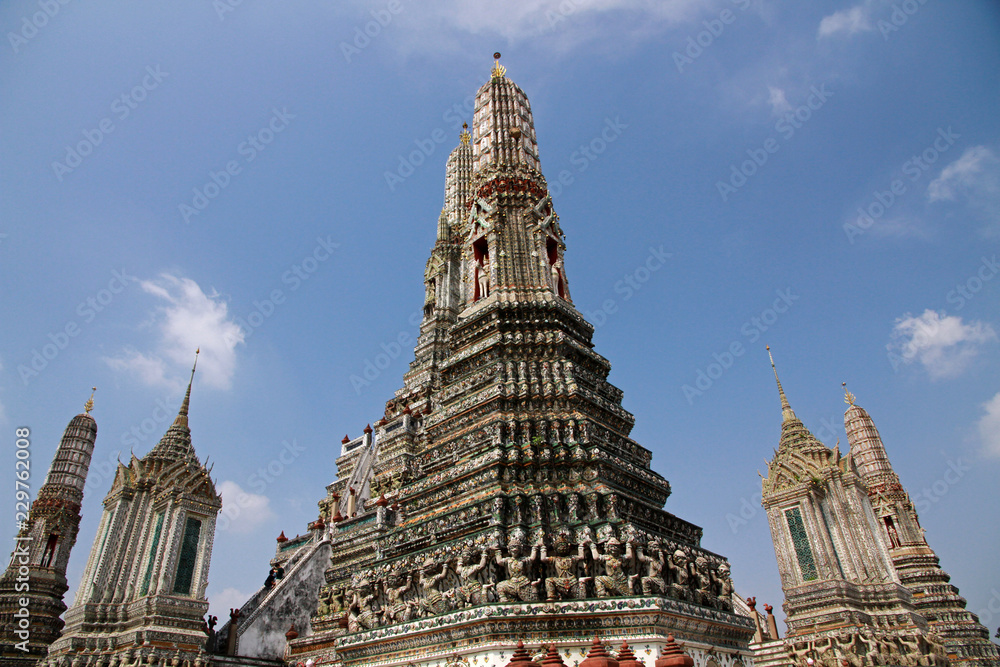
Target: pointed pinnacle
x: 786, y: 409
x: 182, y: 415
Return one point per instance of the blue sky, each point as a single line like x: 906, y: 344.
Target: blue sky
x: 263, y: 181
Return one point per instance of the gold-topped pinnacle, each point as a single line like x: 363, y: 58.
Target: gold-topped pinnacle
x: 89, y: 405
x: 498, y: 69
x: 465, y: 136
x: 848, y: 396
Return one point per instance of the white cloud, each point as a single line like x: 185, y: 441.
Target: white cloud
x: 186, y: 319
x: 901, y: 227
x: 242, y: 511
x: 972, y: 179
x: 942, y: 344
x: 441, y: 27
x: 150, y: 370
x: 778, y: 101
x: 989, y: 426
x: 975, y: 170
x: 852, y: 21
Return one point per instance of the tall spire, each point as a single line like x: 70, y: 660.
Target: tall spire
x: 786, y: 409
x: 182, y: 416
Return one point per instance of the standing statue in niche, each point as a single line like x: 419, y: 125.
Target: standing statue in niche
x: 429, y: 296
x: 893, y: 536
x: 557, y: 278
x: 565, y: 585
x: 397, y: 610
x: 653, y: 583
x: 432, y: 601
x: 614, y: 582
x: 517, y: 587
x: 470, y: 591
x: 483, y: 271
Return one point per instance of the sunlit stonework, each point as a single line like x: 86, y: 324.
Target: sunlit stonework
x: 499, y: 499
x: 861, y: 585
x: 141, y: 599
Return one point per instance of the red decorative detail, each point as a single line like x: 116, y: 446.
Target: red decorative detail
x: 626, y: 658
x: 282, y: 538
x: 752, y: 603
x: 292, y: 633
x: 382, y: 502
x: 351, y: 489
x: 521, y: 658
x: 368, y: 429
x: 552, y: 658
x: 337, y: 518
x: 345, y: 440
x: 673, y: 656
x: 598, y: 657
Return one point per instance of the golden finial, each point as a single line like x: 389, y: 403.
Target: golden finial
x: 848, y: 396
x: 498, y: 69
x: 465, y: 136
x: 89, y: 405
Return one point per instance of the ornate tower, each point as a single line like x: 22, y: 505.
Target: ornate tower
x: 144, y: 585
x: 935, y: 599
x: 843, y: 598
x: 32, y: 588
x: 511, y: 502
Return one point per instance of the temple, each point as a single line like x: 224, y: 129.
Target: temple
x: 142, y: 595
x: 917, y: 566
x: 497, y: 513
x: 861, y: 585
x: 500, y: 498
x: 33, y: 585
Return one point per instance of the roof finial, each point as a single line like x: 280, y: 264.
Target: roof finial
x: 848, y: 396
x: 89, y: 405
x: 465, y: 137
x: 182, y: 416
x: 786, y: 409
x: 498, y: 69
